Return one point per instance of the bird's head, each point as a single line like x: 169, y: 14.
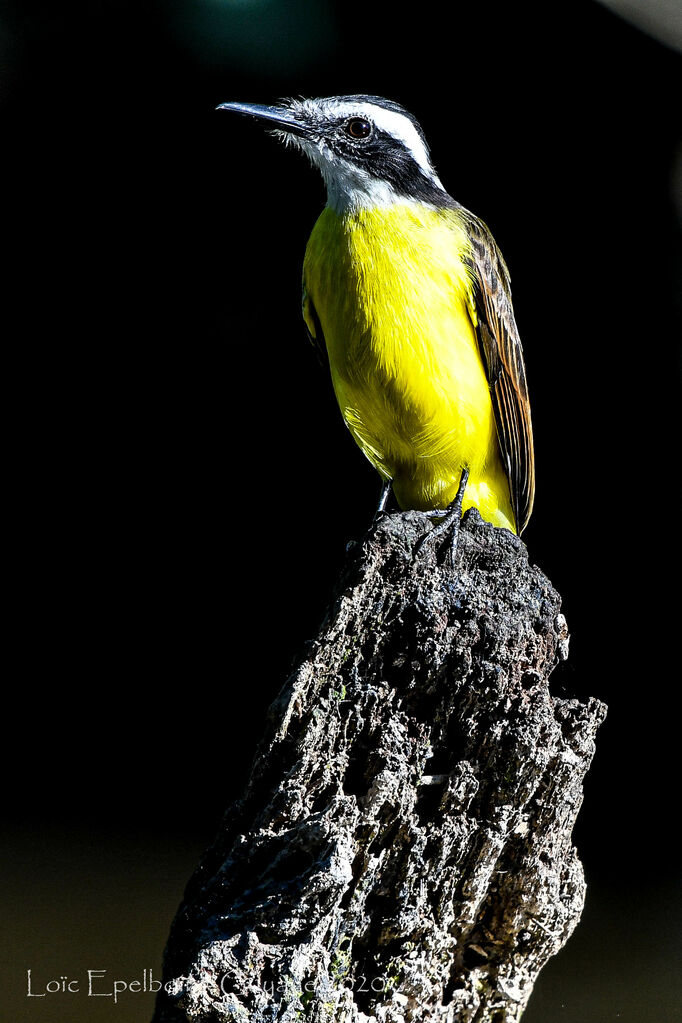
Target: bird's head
x: 369, y: 150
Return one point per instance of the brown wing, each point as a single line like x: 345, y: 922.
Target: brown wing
x: 503, y: 357
x: 313, y: 326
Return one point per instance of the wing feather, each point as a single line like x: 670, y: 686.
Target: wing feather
x: 313, y: 326
x: 503, y: 358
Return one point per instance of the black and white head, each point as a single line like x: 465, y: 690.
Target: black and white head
x: 369, y: 150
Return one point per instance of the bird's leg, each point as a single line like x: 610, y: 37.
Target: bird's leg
x: 383, y: 497
x: 453, y: 517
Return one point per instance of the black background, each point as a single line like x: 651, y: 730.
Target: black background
x: 181, y: 487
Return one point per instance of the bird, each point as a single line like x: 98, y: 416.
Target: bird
x: 408, y: 293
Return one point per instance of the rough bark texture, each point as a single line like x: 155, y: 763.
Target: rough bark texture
x: 403, y: 848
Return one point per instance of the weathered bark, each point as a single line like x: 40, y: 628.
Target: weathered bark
x: 403, y: 848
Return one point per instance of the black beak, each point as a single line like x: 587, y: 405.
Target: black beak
x: 278, y: 117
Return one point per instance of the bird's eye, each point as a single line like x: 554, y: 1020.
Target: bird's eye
x: 358, y: 128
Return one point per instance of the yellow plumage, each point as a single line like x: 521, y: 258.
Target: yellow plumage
x: 393, y: 294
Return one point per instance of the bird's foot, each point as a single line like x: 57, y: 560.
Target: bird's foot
x: 452, y: 517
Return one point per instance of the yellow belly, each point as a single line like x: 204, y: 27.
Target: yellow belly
x: 391, y: 291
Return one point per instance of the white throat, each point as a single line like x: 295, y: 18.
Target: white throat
x: 349, y: 187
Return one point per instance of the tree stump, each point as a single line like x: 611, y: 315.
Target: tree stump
x: 402, y: 851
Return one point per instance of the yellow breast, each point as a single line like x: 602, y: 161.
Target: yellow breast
x: 392, y: 291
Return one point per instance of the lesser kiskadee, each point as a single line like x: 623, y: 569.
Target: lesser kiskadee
x: 410, y: 295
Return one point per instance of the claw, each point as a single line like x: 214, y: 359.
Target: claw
x: 453, y: 517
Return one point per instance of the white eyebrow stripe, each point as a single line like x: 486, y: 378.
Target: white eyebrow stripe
x: 395, y: 124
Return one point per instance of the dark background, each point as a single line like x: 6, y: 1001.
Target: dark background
x: 182, y: 489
